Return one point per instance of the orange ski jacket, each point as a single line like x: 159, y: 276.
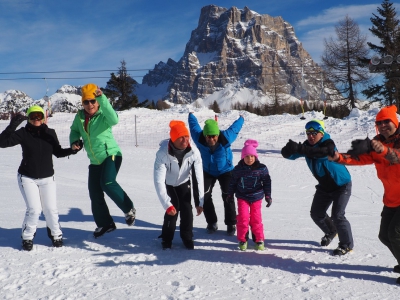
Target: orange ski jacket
x: 387, y: 164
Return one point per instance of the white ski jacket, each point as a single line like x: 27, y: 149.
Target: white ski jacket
x: 167, y: 171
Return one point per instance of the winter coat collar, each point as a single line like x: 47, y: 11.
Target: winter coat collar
x: 36, y: 129
x: 171, y: 150
x: 254, y: 166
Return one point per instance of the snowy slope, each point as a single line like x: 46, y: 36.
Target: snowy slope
x: 129, y: 262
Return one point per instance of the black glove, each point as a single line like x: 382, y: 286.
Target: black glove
x: 360, y: 147
x: 17, y: 120
x: 293, y: 147
x: 331, y: 150
x: 78, y: 143
x: 229, y: 199
x: 268, y: 200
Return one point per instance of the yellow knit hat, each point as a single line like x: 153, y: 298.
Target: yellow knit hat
x: 88, y: 91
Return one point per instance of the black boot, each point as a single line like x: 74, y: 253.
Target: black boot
x: 166, y: 245
x: 102, y: 230
x: 188, y: 244
x: 27, y: 245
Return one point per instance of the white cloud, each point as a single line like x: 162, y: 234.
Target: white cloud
x: 334, y: 14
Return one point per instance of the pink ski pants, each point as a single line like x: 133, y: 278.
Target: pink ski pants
x: 249, y: 214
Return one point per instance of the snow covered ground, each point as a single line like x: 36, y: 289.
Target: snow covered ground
x: 129, y: 262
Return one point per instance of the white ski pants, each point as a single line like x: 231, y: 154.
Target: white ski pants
x: 39, y: 194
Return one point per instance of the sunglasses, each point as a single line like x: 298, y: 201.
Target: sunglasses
x: 211, y: 136
x: 38, y: 116
x: 313, y: 133
x: 387, y: 121
x: 86, y: 102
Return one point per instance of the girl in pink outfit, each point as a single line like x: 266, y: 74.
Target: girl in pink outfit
x: 251, y: 183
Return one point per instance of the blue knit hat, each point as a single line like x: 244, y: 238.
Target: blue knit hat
x: 316, y: 125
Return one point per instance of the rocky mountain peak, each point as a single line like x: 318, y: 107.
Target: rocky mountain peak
x: 238, y: 45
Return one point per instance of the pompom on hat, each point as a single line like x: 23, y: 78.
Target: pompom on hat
x: 88, y: 91
x: 388, y: 113
x: 250, y: 148
x: 210, y: 127
x: 178, y: 129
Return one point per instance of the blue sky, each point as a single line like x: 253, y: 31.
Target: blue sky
x: 83, y: 35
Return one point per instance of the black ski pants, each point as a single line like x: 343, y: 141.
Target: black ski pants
x: 389, y: 232
x: 337, y: 222
x: 208, y: 208
x: 181, y: 200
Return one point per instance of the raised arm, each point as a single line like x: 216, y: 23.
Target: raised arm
x: 232, y: 132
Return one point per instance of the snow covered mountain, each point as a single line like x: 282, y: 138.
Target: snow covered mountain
x: 236, y: 51
x: 66, y: 99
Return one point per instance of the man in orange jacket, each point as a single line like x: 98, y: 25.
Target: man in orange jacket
x: 383, y: 151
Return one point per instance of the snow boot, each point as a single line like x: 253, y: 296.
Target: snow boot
x: 341, y: 250
x: 188, y: 244
x: 99, y: 231
x: 259, y: 246
x: 130, y: 217
x: 211, y: 228
x: 243, y: 246
x: 327, y: 239
x: 27, y: 245
x: 166, y: 245
x: 231, y: 230
x: 58, y: 242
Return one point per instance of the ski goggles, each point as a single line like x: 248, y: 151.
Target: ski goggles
x: 314, y: 126
x: 36, y: 116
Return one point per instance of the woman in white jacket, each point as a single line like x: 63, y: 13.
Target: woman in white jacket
x: 176, y: 161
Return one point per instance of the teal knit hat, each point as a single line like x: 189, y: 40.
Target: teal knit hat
x: 211, y: 127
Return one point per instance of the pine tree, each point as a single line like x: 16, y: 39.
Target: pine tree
x: 386, y: 28
x: 120, y: 89
x: 215, y: 107
x: 341, y: 59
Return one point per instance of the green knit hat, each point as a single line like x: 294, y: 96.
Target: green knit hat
x: 211, y: 127
x: 35, y: 108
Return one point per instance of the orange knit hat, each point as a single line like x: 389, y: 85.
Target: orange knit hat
x: 88, y: 91
x: 388, y: 113
x: 178, y: 129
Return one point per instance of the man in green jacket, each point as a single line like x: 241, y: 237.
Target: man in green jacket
x: 93, y: 124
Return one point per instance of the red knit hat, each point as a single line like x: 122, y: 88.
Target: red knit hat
x: 388, y: 113
x: 178, y: 129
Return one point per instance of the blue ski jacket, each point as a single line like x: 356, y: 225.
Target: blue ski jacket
x: 219, y: 161
x: 330, y: 175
